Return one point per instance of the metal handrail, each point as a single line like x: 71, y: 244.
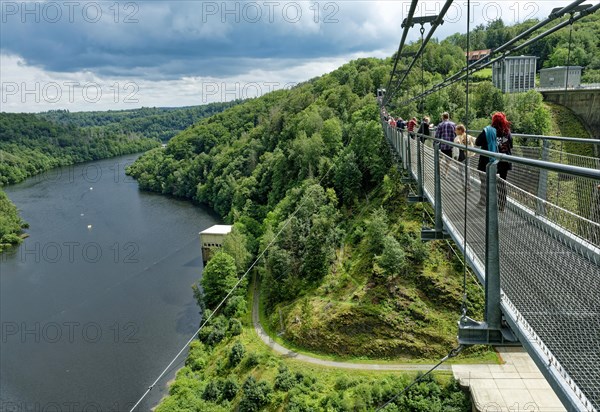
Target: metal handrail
x: 593, y: 141
x: 557, y: 167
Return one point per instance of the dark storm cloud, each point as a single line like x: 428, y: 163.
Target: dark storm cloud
x: 167, y: 40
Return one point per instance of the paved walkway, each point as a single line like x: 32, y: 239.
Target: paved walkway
x: 260, y: 331
x: 517, y: 385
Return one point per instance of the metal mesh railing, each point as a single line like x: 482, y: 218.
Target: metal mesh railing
x: 576, y: 210
x: 578, y: 195
x: 549, y: 264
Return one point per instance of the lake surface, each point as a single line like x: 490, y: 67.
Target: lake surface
x: 97, y: 301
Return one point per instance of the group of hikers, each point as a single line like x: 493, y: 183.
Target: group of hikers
x: 494, y: 138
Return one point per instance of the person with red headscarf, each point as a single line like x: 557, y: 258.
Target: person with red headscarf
x: 495, y: 138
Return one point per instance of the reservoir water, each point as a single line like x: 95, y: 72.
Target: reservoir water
x: 97, y: 301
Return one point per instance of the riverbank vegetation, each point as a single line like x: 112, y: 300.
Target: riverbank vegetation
x: 30, y: 145
x: 11, y: 224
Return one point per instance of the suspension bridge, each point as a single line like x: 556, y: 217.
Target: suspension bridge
x: 538, y: 254
x: 540, y: 263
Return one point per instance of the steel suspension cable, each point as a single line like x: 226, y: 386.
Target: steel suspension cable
x: 466, y: 165
x: 522, y: 35
x: 568, y: 68
x: 417, y: 138
x: 541, y: 24
x: 407, y: 27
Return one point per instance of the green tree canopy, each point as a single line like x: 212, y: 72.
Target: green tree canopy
x: 218, y: 278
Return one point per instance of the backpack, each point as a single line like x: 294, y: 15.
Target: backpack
x: 504, y: 145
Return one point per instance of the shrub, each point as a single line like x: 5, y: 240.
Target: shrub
x: 235, y: 307
x: 284, y: 380
x: 237, y: 353
x: 230, y: 388
x: 235, y: 327
x: 256, y: 395
x: 376, y: 230
x: 251, y: 360
x: 393, y: 259
x: 214, y: 332
x: 212, y: 391
x: 196, y: 359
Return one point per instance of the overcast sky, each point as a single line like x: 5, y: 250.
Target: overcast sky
x: 101, y: 55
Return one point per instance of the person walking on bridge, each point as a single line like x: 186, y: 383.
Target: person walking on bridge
x: 424, y: 128
x: 400, y: 124
x: 410, y: 126
x: 446, y: 131
x: 462, y: 138
x: 495, y: 138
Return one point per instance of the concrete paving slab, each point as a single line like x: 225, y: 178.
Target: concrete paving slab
x: 516, y: 385
x: 510, y: 384
x: 536, y: 384
x: 531, y: 375
x: 545, y: 402
x: 485, y: 399
x: 517, y: 396
x: 486, y: 383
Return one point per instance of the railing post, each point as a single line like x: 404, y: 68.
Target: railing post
x: 490, y: 331
x: 438, y: 230
x: 402, y: 150
x: 543, y: 180
x: 493, y: 313
x: 419, y: 168
x: 439, y: 223
x: 408, y: 158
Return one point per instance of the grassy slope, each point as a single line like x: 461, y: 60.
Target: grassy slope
x: 569, y: 193
x: 566, y: 123
x: 356, y: 313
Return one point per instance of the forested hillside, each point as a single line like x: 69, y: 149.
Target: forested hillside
x: 30, y: 145
x: 152, y: 122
